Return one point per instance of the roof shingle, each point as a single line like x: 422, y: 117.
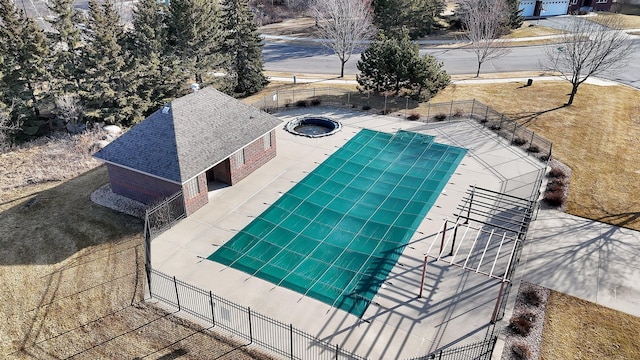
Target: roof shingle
x: 199, y: 130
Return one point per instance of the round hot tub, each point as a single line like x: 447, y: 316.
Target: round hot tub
x: 313, y: 126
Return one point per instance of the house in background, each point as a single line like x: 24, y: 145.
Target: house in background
x: 578, y: 6
x: 543, y: 8
x: 202, y: 137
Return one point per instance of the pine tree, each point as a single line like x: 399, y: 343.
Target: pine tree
x: 243, y: 45
x: 24, y: 67
x: 514, y: 19
x: 195, y: 35
x: 65, y: 42
x: 394, y: 64
x: 417, y: 16
x: 104, y: 87
x: 158, y: 74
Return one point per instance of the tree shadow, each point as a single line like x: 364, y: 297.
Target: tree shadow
x: 528, y: 117
x: 57, y: 223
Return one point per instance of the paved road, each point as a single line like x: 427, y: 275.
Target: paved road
x: 312, y: 58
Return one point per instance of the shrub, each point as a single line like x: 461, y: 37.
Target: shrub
x: 557, y: 172
x: 414, y: 116
x: 521, y: 350
x: 533, y: 149
x: 522, y: 324
x: 458, y: 113
x: 561, y: 181
x: 484, y: 121
x: 302, y: 103
x: 532, y: 298
x: 553, y: 187
x: 544, y: 158
x: 519, y: 141
x: 554, y: 198
x: 495, y: 127
x: 316, y: 102
x: 384, y: 111
x: 440, y: 116
x: 366, y: 107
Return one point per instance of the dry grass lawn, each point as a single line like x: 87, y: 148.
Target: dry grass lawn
x: 529, y: 29
x: 626, y: 21
x: 579, y: 329
x: 73, y: 280
x: 597, y: 137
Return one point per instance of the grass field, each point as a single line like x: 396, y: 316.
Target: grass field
x: 576, y: 329
x: 626, y: 21
x: 596, y: 137
x: 72, y: 276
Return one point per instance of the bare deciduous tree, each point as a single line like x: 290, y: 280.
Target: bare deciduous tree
x: 70, y: 111
x: 344, y: 24
x: 589, y: 49
x: 482, y: 21
x: 6, y: 128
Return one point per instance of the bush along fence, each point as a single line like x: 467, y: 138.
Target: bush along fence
x: 243, y: 323
x: 162, y: 216
x: 502, y: 125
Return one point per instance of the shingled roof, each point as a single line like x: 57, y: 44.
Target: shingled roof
x: 198, y: 131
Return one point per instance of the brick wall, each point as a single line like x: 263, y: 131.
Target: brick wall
x: 255, y: 156
x: 200, y: 199
x: 139, y: 187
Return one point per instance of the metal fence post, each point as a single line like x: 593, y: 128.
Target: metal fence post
x: 450, y: 110
x: 532, y: 135
x: 291, y: 338
x: 175, y: 285
x: 486, y: 114
x: 513, y: 136
x: 406, y: 107
x: 337, y: 351
x: 250, y: 328
x: 473, y: 105
x: 428, y: 110
x: 213, y: 313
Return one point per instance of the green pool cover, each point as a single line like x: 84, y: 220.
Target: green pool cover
x: 336, y: 235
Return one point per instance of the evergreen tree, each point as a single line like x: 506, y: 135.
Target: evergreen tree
x: 514, y: 19
x: 105, y: 84
x: 195, y: 35
x: 418, y: 16
x: 24, y: 67
x: 394, y: 64
x: 158, y: 74
x: 65, y: 42
x: 243, y: 45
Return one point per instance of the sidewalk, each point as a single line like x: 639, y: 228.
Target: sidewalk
x: 350, y: 80
x: 584, y: 258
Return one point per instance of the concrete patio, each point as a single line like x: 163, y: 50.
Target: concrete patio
x: 457, y: 304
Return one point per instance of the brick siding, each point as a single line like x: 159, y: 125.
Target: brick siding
x: 198, y: 201
x: 137, y: 186
x: 255, y: 156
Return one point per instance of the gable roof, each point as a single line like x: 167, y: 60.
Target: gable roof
x: 198, y: 131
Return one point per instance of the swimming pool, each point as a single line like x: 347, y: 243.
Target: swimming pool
x: 336, y: 235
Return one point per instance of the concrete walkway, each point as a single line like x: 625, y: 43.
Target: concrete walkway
x: 584, y: 258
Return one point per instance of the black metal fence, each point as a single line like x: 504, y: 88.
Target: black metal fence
x: 502, y: 125
x: 163, y: 215
x: 476, y: 351
x: 254, y: 328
